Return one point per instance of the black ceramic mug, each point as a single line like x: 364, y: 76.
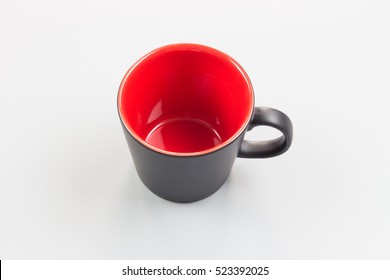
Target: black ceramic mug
x: 185, y: 109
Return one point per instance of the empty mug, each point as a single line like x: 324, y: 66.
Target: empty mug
x: 184, y: 109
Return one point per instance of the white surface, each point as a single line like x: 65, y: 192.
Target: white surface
x: 68, y: 188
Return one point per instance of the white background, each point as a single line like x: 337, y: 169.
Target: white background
x: 68, y: 188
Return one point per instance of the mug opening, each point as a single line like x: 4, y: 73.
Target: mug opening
x: 185, y: 100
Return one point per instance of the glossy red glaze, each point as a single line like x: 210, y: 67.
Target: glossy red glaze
x: 185, y: 99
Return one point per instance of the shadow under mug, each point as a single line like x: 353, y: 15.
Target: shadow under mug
x: 184, y: 110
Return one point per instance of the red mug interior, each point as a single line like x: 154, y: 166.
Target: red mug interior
x: 185, y: 99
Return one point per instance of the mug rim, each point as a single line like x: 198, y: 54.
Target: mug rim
x: 197, y: 47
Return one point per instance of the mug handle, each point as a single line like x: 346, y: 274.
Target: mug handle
x: 270, y: 148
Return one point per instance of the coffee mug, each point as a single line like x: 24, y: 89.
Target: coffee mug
x: 184, y: 109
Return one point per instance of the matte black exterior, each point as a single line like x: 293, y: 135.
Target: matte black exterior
x: 182, y: 179
x: 192, y: 178
x: 271, y: 148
